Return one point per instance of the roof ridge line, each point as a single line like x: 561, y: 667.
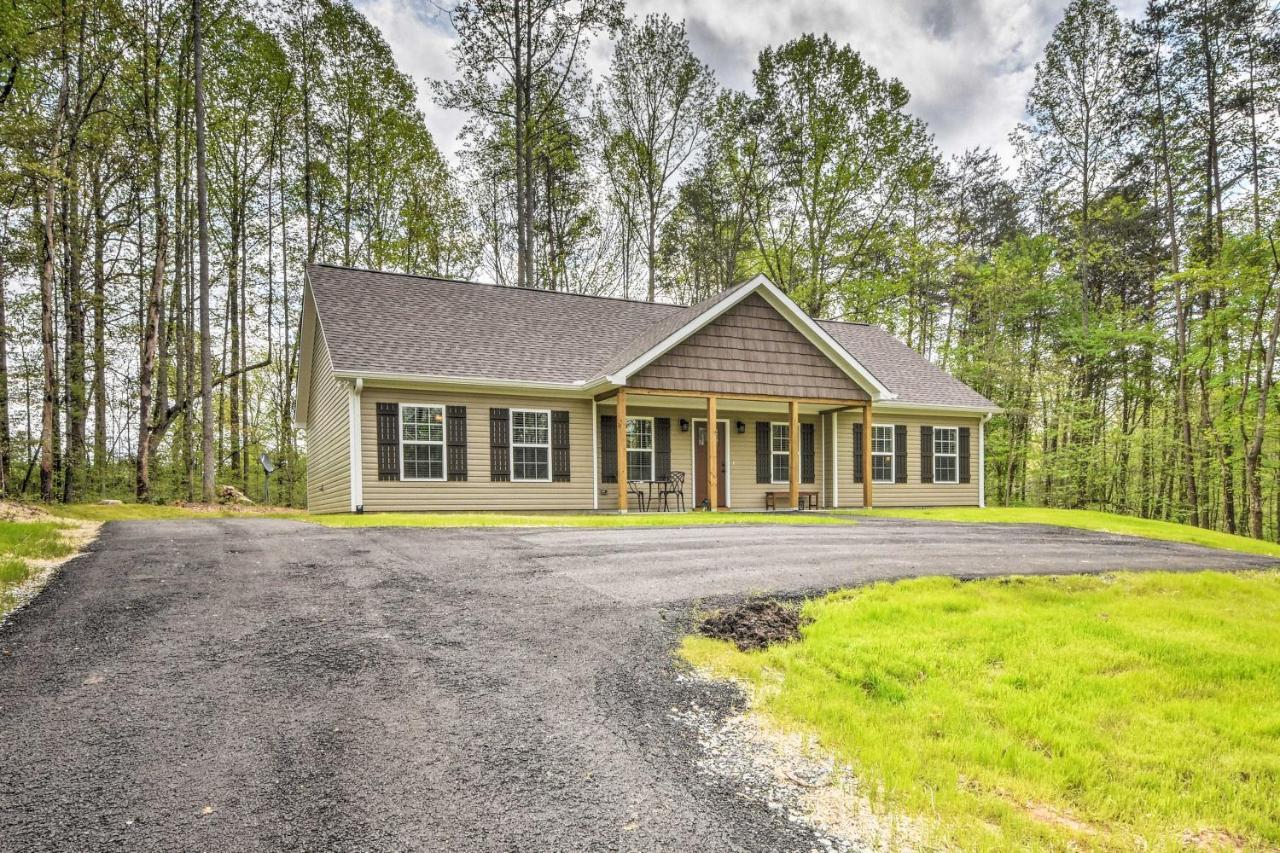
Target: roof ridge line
x: 446, y: 280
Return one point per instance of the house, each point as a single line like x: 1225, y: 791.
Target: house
x: 424, y: 394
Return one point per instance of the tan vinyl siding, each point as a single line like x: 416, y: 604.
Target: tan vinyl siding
x: 478, y: 492
x: 912, y: 492
x: 328, y: 450
x: 743, y: 491
x: 750, y: 349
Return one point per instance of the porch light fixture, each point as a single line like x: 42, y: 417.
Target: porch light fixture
x: 684, y: 424
x: 740, y: 427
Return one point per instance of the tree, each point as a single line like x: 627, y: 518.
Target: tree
x: 654, y: 113
x: 516, y: 61
x: 842, y: 153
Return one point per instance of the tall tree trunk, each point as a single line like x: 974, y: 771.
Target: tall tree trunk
x: 98, y: 202
x: 209, y: 472
x: 47, y: 425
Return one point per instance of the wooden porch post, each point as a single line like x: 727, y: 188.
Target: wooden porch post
x: 621, y: 447
x: 793, y: 456
x: 713, y: 457
x: 866, y: 456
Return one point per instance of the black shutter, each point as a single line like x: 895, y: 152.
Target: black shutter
x: 388, y: 441
x: 964, y: 454
x: 857, y: 452
x: 764, y: 456
x: 560, y: 447
x: 500, y: 445
x: 455, y: 440
x: 661, y: 448
x: 608, y: 448
x: 806, y: 453
x: 900, y: 454
x: 926, y: 454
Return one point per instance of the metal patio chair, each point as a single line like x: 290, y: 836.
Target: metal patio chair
x: 672, y: 487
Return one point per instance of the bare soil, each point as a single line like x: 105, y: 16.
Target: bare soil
x: 758, y: 623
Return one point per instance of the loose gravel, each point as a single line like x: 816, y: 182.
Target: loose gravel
x: 272, y: 685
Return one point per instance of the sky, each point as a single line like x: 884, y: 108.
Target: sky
x: 967, y: 63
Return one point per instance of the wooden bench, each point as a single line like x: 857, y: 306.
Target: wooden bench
x: 808, y: 500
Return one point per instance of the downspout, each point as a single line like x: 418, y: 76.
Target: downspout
x: 595, y: 456
x: 353, y: 424
x: 982, y: 460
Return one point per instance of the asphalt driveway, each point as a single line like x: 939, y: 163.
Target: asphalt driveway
x: 266, y: 685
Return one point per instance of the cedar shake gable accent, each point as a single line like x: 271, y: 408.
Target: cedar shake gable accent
x: 749, y: 349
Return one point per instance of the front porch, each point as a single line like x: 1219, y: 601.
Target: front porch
x: 791, y: 447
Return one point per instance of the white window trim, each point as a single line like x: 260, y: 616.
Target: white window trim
x: 892, y: 454
x: 511, y: 449
x: 791, y: 446
x: 653, y: 447
x: 443, y: 442
x: 936, y: 455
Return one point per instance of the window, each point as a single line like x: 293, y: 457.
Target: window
x: 946, y: 454
x: 780, y: 446
x: 639, y: 448
x: 421, y: 442
x: 882, y: 454
x: 530, y: 445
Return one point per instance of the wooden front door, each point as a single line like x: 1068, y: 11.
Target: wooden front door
x: 700, y: 462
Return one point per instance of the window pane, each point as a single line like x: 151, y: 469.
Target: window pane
x: 639, y: 464
x: 529, y: 463
x: 529, y: 427
x: 944, y: 440
x: 639, y: 434
x: 882, y: 439
x: 781, y: 438
x: 882, y: 468
x: 944, y: 469
x: 422, y: 423
x: 423, y: 461
x: 782, y: 467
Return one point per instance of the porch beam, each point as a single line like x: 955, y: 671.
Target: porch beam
x: 769, y: 398
x: 866, y: 458
x: 605, y: 395
x: 793, y: 457
x: 621, y: 448
x: 713, y: 456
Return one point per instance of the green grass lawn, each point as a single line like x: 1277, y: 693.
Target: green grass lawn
x: 151, y: 512
x: 500, y: 519
x: 162, y: 512
x: 21, y: 541
x: 1127, y: 711
x: 1088, y: 520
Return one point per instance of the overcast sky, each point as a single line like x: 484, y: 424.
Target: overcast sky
x: 967, y: 63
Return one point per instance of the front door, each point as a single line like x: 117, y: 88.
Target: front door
x: 700, y: 462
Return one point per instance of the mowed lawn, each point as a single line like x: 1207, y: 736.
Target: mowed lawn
x: 153, y: 512
x: 1085, y: 519
x: 1127, y: 711
x: 21, y: 542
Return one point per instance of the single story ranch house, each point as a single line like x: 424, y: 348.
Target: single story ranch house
x: 423, y: 394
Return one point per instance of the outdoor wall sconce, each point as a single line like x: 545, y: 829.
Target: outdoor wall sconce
x: 740, y: 427
x: 684, y: 424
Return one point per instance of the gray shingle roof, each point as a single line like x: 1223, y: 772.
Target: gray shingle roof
x: 389, y: 323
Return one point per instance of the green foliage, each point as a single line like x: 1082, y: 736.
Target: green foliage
x: 1106, y: 712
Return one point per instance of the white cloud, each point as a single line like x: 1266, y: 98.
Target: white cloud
x: 967, y: 63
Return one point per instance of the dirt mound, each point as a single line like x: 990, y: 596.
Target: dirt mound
x: 754, y: 625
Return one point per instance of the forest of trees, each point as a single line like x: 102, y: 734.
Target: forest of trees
x: 1115, y: 286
